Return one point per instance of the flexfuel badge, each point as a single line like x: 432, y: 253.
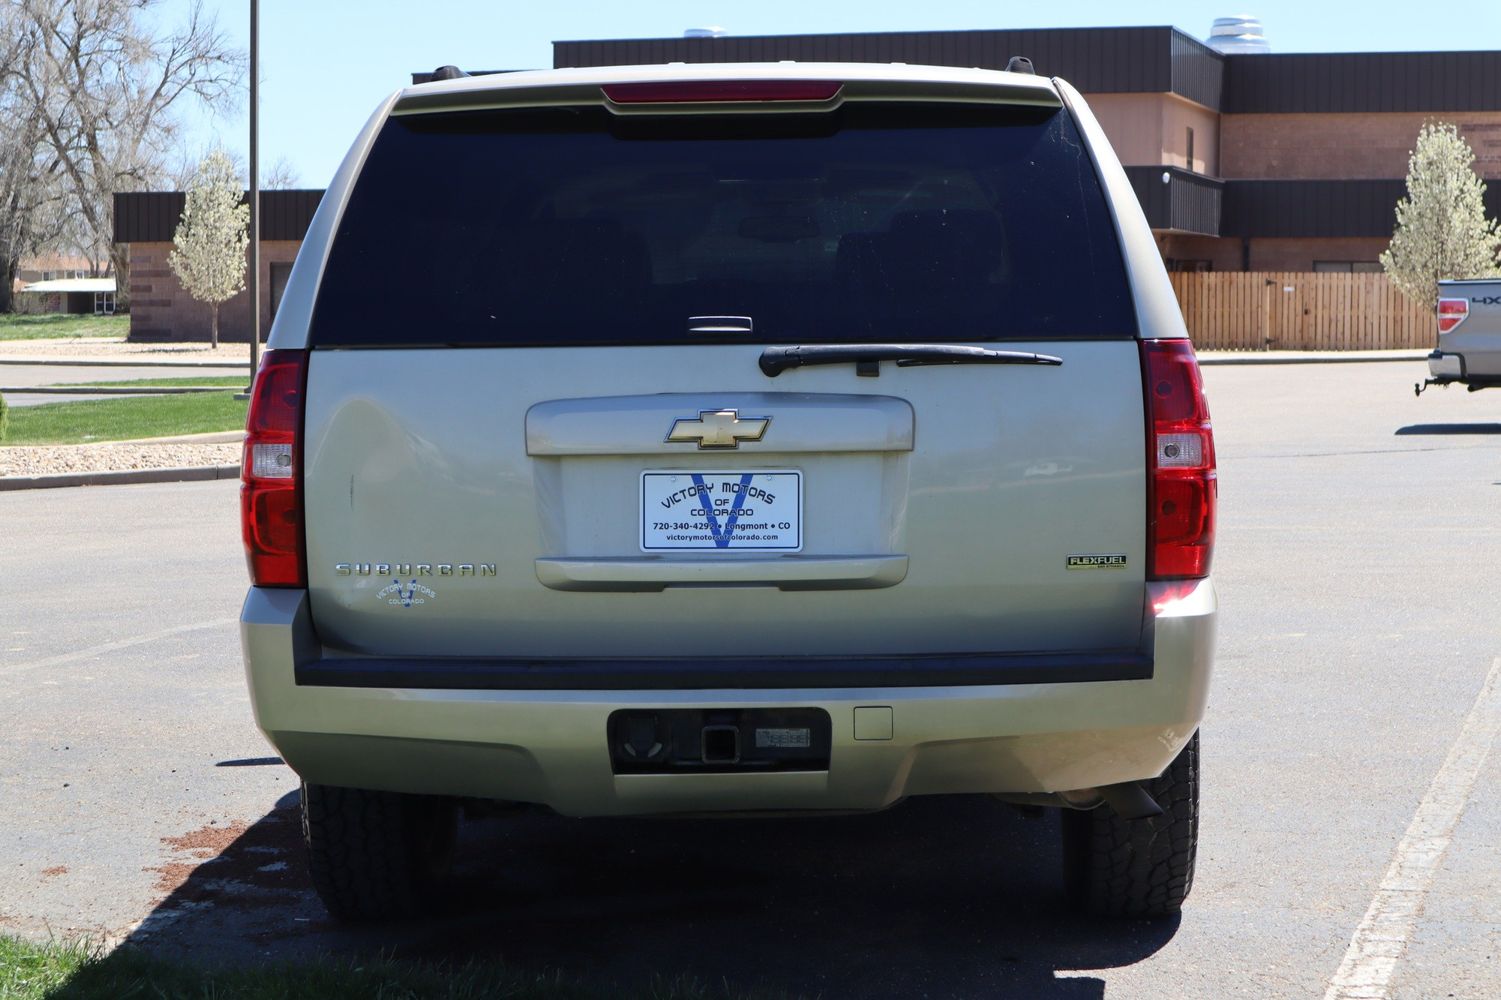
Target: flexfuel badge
x: 1115, y: 560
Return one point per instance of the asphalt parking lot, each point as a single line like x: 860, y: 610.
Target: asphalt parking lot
x: 1352, y: 799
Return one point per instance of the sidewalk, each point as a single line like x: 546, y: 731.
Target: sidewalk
x: 108, y: 351
x: 217, y: 456
x: 1308, y: 357
x: 85, y: 351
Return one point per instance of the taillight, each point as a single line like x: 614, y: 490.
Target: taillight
x: 271, y: 473
x: 1451, y: 313
x: 721, y: 91
x: 1183, y: 486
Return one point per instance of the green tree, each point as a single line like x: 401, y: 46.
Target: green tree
x: 1442, y: 231
x: 209, y: 252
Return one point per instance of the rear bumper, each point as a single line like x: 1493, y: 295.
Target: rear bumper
x: 549, y: 746
x: 1446, y: 366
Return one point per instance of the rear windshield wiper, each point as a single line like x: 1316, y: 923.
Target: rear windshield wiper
x: 867, y: 357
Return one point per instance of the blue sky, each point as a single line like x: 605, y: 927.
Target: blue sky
x: 325, y: 64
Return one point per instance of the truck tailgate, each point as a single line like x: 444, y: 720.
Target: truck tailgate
x: 485, y: 502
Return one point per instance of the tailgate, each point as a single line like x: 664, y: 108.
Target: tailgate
x: 456, y: 507
x: 549, y: 435
x: 1477, y: 337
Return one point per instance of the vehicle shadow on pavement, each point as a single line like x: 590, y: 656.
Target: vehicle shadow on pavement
x: 937, y: 897
x: 1446, y: 429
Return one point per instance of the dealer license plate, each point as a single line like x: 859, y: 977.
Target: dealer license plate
x: 714, y: 511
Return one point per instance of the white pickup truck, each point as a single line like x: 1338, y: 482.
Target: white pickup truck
x: 1469, y: 335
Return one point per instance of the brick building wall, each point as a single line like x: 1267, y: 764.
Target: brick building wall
x: 1273, y: 254
x: 1344, y: 146
x: 1295, y: 162
x: 160, y: 309
x: 1188, y: 252
x: 1152, y: 130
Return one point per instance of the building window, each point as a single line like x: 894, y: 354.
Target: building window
x: 279, y: 275
x: 1191, y: 150
x: 1347, y: 267
x: 1185, y: 264
x: 104, y: 303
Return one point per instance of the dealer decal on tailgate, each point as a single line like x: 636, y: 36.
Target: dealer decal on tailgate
x: 688, y: 510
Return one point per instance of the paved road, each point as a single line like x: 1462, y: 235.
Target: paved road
x: 30, y: 376
x: 1348, y: 728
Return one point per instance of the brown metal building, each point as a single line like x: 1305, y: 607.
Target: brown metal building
x: 1242, y: 162
x: 1273, y: 162
x: 159, y: 307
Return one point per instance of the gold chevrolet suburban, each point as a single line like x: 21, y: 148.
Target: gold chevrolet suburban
x: 731, y: 439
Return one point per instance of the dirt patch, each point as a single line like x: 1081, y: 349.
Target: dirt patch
x: 238, y: 862
x: 207, y: 841
x: 54, y: 871
x: 171, y: 877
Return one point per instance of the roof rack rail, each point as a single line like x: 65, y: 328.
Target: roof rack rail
x: 448, y: 73
x: 1020, y: 64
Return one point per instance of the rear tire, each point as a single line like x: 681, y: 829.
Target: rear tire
x: 376, y: 855
x: 1116, y: 867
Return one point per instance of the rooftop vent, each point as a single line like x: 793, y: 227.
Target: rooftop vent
x: 714, y: 31
x: 1238, y: 35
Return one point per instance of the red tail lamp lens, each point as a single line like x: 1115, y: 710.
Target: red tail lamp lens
x: 1183, y: 488
x: 1451, y: 313
x: 271, y: 473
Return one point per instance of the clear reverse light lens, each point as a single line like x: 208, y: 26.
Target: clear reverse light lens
x: 271, y: 461
x: 1180, y: 451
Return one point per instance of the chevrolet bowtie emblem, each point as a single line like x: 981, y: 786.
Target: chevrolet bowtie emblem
x: 718, y: 429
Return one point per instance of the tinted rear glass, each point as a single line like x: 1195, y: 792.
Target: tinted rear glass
x: 872, y: 223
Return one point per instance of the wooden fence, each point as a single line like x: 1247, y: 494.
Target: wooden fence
x: 1299, y: 311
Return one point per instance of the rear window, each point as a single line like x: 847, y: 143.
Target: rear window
x: 575, y: 226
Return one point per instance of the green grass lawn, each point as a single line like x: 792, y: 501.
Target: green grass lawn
x: 78, y: 972
x: 49, y: 325
x: 223, y: 381
x: 121, y: 419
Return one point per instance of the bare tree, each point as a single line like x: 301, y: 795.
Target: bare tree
x: 282, y: 176
x: 32, y: 214
x: 104, y: 87
x: 182, y: 169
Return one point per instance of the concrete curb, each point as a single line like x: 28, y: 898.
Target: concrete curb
x: 112, y: 390
x: 202, y: 473
x: 208, y: 437
x: 1309, y: 358
x: 1206, y: 358
x: 114, y: 363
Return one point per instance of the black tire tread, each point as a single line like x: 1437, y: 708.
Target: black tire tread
x: 368, y: 852
x: 1143, y: 867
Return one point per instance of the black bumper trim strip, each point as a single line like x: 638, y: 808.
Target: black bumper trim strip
x: 694, y: 673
